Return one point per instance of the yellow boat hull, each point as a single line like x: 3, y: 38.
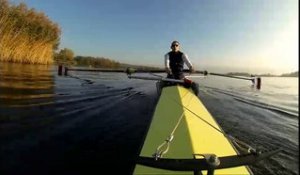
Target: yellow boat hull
x: 191, y: 136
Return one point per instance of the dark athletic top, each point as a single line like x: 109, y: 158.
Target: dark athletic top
x: 175, y: 61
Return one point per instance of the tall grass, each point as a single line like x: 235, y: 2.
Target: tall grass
x: 26, y: 36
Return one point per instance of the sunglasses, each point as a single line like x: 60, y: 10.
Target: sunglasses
x: 175, y: 45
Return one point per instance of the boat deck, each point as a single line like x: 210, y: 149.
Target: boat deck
x: 191, y: 136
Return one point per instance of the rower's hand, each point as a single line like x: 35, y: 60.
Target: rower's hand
x: 168, y: 70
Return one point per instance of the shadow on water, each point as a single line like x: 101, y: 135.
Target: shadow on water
x: 93, y: 123
x: 69, y: 125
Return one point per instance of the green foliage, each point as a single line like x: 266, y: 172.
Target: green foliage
x: 27, y: 35
x: 96, y: 62
x: 64, y: 57
x: 239, y: 74
x: 292, y: 74
x: 30, y: 22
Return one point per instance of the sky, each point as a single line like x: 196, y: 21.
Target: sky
x: 255, y: 36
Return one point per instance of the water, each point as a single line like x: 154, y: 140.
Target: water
x: 88, y: 122
x: 266, y: 118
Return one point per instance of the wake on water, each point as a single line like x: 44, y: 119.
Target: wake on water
x: 259, y: 124
x: 266, y: 131
x: 255, y: 101
x: 93, y: 121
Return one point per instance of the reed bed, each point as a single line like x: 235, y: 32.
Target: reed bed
x: 26, y: 36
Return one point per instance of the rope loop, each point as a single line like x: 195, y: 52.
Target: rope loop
x: 163, y: 148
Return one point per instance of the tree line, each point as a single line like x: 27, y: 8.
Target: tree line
x: 292, y: 74
x: 66, y: 57
x: 97, y: 62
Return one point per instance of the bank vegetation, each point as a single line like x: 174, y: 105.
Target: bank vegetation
x: 96, y: 62
x: 26, y: 35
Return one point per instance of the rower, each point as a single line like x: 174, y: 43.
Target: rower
x: 174, y: 63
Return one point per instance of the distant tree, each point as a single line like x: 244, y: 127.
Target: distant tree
x: 239, y: 74
x: 97, y: 62
x: 64, y: 57
x: 292, y: 74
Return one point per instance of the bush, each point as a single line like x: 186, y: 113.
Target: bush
x: 27, y: 36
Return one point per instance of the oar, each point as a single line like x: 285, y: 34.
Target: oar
x: 255, y: 80
x: 160, y: 79
x: 155, y: 78
x: 231, y: 76
x: 132, y: 70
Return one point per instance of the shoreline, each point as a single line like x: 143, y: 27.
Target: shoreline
x: 123, y: 66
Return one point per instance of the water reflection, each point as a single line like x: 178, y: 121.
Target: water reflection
x: 25, y: 85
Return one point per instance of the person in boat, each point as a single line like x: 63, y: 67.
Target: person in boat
x: 175, y: 60
x: 174, y: 64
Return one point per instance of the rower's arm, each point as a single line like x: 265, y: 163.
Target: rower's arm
x: 187, y: 61
x: 167, y: 63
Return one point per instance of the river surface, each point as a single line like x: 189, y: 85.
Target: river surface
x: 89, y: 122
